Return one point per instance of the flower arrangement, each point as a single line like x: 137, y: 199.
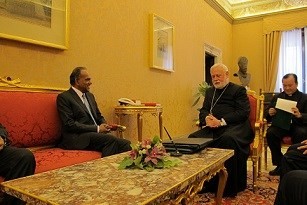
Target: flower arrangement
x: 148, y: 155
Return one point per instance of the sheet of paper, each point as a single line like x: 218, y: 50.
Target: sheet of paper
x: 285, y: 105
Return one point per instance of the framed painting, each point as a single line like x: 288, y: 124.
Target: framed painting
x: 42, y: 22
x: 161, y: 44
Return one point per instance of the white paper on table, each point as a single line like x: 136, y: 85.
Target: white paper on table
x: 285, y: 105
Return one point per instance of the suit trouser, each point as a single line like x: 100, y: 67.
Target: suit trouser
x: 274, y: 138
x: 15, y: 163
x: 107, y: 144
x: 293, y: 159
x: 292, y: 189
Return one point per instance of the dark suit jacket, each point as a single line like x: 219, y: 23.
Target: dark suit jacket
x: 3, y: 134
x: 300, y: 98
x: 77, y: 124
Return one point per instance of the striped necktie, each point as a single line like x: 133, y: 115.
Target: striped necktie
x: 87, y: 105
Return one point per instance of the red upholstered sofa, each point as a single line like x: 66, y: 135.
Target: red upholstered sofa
x: 32, y: 121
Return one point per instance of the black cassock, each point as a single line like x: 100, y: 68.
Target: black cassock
x: 292, y: 189
x: 230, y: 103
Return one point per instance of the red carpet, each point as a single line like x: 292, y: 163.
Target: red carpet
x: 265, y: 195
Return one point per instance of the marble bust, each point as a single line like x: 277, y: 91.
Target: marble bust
x: 244, y: 77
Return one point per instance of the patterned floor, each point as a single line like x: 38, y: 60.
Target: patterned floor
x: 265, y: 195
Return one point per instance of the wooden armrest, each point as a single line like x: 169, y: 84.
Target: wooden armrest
x: 257, y: 135
x: 197, y: 123
x: 257, y: 143
x: 266, y: 125
x: 122, y: 128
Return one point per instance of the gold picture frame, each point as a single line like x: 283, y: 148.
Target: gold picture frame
x: 42, y: 22
x: 161, y: 43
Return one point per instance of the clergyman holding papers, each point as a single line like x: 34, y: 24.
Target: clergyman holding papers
x: 283, y: 116
x: 288, y: 114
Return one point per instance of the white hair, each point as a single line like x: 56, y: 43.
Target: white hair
x: 221, y: 65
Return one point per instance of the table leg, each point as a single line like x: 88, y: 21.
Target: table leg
x: 119, y: 133
x: 222, y: 183
x: 140, y: 126
x: 160, y: 125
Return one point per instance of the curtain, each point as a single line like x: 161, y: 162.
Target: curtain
x: 272, y: 27
x: 287, y: 22
x: 290, y: 57
x: 272, y: 45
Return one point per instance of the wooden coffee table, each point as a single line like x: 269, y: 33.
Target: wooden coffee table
x: 101, y: 182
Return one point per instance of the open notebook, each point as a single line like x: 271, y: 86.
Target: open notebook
x: 187, y: 145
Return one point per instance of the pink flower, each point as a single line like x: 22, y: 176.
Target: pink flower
x: 148, y: 155
x: 146, y: 144
x: 153, y: 160
x: 133, y: 154
x: 154, y: 155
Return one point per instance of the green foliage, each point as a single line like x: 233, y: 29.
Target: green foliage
x: 201, y: 91
x: 171, y: 163
x: 127, y: 162
x: 156, y: 139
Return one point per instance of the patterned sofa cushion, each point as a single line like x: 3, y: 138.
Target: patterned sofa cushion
x: 55, y: 158
x: 30, y: 118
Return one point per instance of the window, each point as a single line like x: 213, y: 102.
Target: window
x: 292, y: 57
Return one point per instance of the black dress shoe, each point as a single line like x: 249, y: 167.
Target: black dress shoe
x: 275, y: 172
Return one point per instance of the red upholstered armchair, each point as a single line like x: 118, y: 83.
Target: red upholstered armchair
x: 256, y: 120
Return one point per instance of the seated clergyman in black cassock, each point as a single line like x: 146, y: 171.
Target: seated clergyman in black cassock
x: 224, y: 116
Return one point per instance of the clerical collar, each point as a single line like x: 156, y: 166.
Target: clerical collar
x: 212, y: 101
x: 293, y: 94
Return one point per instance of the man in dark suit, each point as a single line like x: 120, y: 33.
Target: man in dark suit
x: 295, y: 158
x: 224, y: 116
x: 298, y: 127
x: 83, y: 126
x: 292, y: 188
x: 14, y: 163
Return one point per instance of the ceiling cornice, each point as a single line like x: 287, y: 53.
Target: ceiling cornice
x: 220, y: 9
x: 236, y: 11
